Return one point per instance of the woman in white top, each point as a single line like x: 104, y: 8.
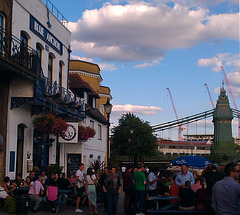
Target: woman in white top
x: 91, y: 182
x: 4, y: 188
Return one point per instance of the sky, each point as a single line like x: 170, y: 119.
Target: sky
x: 144, y: 47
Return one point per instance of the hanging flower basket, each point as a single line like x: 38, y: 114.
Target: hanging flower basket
x: 50, y: 124
x: 84, y: 133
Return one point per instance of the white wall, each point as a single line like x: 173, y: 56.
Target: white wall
x: 21, y: 22
x: 22, y: 115
x: 19, y: 116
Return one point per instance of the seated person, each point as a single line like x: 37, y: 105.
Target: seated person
x: 163, y: 190
x: 28, y: 183
x: 201, y: 197
x: 174, y: 189
x: 43, y: 174
x: 4, y: 189
x: 7, y: 187
x: 19, y: 180
x: 197, y: 185
x: 35, y: 193
x: 63, y: 183
x: 187, y: 197
x: 52, y: 194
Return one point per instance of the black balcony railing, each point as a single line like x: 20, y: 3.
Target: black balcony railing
x: 19, y: 53
x: 56, y: 12
x: 48, y: 89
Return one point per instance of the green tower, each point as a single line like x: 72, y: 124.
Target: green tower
x: 223, y: 148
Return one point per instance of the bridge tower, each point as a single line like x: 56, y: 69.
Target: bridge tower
x: 223, y: 148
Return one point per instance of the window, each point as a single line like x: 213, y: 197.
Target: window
x: 90, y: 100
x: 60, y: 73
x: 24, y: 39
x: 101, y: 109
x: 50, y: 67
x: 39, y: 52
x: 99, y: 132
x: 92, y: 124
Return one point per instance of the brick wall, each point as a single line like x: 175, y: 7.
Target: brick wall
x: 4, y: 90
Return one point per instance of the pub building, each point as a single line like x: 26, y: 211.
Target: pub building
x: 34, y: 75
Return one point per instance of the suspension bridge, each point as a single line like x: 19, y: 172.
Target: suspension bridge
x: 189, y: 119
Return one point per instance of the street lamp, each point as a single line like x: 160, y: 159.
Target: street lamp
x: 131, y: 132
x: 108, y: 110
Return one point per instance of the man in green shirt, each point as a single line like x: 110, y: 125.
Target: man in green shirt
x: 140, y: 182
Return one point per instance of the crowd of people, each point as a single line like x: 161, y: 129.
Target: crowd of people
x: 213, y: 191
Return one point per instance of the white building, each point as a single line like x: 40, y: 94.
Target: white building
x: 38, y: 84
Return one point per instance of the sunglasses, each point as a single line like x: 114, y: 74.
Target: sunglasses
x: 237, y: 171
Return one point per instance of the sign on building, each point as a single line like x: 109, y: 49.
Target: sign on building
x: 71, y: 135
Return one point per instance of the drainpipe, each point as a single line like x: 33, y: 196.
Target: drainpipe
x: 69, y: 52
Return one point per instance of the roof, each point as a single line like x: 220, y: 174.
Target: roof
x: 84, y: 66
x: 95, y: 114
x: 76, y: 82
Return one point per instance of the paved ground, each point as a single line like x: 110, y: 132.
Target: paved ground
x: 70, y: 207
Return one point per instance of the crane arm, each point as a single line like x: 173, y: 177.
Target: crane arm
x: 209, y: 95
x: 180, y: 126
x: 230, y: 91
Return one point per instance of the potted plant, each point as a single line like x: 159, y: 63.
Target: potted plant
x: 84, y: 133
x: 49, y: 123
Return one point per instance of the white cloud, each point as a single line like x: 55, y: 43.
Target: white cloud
x: 107, y: 66
x: 74, y: 57
x: 227, y: 59
x: 102, y: 66
x: 118, y: 110
x: 153, y: 63
x: 145, y: 31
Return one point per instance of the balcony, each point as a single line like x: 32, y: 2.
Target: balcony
x: 49, y: 95
x: 21, y: 56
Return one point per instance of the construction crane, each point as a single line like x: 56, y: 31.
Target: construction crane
x: 180, y: 126
x: 231, y: 94
x: 209, y: 95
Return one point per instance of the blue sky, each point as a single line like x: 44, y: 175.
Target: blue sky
x: 143, y: 47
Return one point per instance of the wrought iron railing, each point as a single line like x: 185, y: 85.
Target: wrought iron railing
x: 19, y: 53
x: 56, y: 12
x: 47, y: 88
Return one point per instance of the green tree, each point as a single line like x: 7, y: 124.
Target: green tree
x: 141, y: 142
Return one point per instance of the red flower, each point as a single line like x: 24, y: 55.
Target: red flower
x: 49, y: 123
x: 84, y: 133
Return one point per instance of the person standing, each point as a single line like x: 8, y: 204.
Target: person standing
x: 101, y: 182
x: 35, y: 192
x: 226, y: 192
x: 91, y: 182
x: 140, y: 182
x: 152, y: 183
x: 127, y: 189
x: 212, y: 175
x: 112, y: 186
x: 184, y: 176
x: 80, y: 184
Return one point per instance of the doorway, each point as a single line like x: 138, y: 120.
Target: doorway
x: 20, y: 147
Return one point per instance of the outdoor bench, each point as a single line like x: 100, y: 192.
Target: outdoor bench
x: 154, y: 211
x: 60, y: 202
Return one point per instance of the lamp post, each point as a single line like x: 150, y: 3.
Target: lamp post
x: 108, y: 110
x: 131, y: 132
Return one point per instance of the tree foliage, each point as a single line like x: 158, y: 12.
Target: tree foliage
x: 138, y: 144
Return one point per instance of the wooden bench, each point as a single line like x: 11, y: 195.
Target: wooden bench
x: 154, y: 211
